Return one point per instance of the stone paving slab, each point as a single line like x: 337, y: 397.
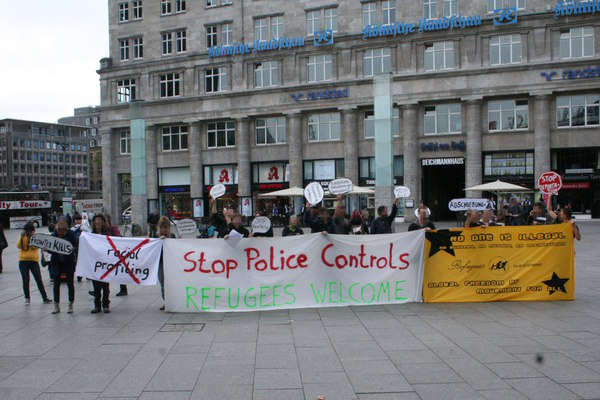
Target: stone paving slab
x: 529, y: 350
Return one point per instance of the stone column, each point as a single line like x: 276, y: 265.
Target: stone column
x: 294, y: 139
x: 412, y: 168
x: 242, y: 142
x: 196, y: 172
x: 151, y: 163
x: 474, y: 169
x: 350, y: 135
x: 110, y: 189
x: 541, y: 135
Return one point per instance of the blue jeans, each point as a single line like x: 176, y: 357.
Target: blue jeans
x: 34, y: 267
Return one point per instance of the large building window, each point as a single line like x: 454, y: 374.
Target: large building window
x: 276, y: 27
x: 137, y: 9
x: 377, y: 61
x: 496, y: 4
x: 124, y: 49
x: 169, y: 85
x: 369, y: 14
x: 180, y: 41
x: 511, y: 163
x: 265, y: 74
x: 577, y: 42
x: 261, y: 32
x: 369, y: 124
x: 138, y: 48
x: 323, y: 127
x: 319, y: 68
x: 220, y: 134
x: 174, y: 138
x: 179, y: 6
x: 123, y: 12
x: 270, y: 131
x: 125, y: 90
x: 167, y: 43
x: 215, y: 3
x: 450, y: 8
x: 430, y: 9
x: 211, y: 36
x: 439, y: 56
x: 262, y: 26
x: 226, y: 34
x: 330, y: 18
x: 505, y: 49
x: 577, y: 111
x: 508, y: 115
x: 165, y: 7
x: 320, y: 19
x: 442, y: 119
x: 125, y: 141
x: 215, y: 79
x: 388, y: 12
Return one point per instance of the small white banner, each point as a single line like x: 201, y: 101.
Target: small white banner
x: 401, y: 192
x: 293, y: 272
x: 129, y: 261
x: 217, y: 191
x: 261, y: 225
x: 340, y: 186
x: 469, y: 204
x: 51, y: 243
x: 186, y: 227
x: 314, y: 193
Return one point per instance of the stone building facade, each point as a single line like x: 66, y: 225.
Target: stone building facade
x: 262, y: 95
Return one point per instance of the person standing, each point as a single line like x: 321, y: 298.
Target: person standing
x: 153, y: 218
x: 383, y: 222
x: 101, y: 288
x: 422, y: 223
x: 29, y: 257
x: 113, y: 230
x: 3, y: 244
x: 340, y: 219
x: 63, y: 264
x: 292, y: 229
x: 318, y: 220
x: 164, y: 231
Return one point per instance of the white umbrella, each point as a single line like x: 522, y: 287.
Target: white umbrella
x: 498, y: 187
x: 290, y: 192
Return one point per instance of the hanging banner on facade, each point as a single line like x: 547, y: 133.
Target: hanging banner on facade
x: 129, y: 261
x: 292, y: 272
x: 500, y: 264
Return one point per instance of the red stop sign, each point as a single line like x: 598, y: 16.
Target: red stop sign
x: 550, y: 182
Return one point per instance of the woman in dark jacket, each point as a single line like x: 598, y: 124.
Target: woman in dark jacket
x: 63, y: 264
x: 357, y: 225
x: 3, y: 244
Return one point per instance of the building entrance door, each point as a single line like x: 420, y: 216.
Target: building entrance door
x: 442, y: 183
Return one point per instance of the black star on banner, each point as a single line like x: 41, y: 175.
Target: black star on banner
x: 555, y: 284
x: 441, y: 240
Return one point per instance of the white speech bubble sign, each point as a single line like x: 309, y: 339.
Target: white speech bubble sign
x: 314, y: 192
x: 186, y: 227
x: 340, y: 186
x: 51, y: 243
x: 217, y: 191
x: 261, y: 225
x: 469, y: 204
x: 401, y: 192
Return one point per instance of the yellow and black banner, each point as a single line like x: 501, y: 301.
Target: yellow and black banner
x: 513, y: 263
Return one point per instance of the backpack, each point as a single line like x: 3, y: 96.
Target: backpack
x: 202, y: 232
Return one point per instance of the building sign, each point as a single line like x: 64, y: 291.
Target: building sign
x: 224, y: 175
x: 581, y: 178
x: 505, y: 16
x: 321, y: 94
x: 432, y: 25
x: 323, y: 38
x: 574, y: 7
x: 573, y: 74
x: 576, y: 185
x: 271, y: 172
x: 23, y: 205
x: 435, y: 146
x: 434, y: 162
x: 256, y: 47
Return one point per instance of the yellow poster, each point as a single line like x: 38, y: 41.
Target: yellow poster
x: 513, y: 263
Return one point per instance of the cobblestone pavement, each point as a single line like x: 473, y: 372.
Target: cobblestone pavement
x: 506, y: 350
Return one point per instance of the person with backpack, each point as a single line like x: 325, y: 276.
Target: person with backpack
x: 357, y: 224
x: 383, y: 222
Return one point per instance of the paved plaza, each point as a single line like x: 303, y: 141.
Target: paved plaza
x: 508, y: 350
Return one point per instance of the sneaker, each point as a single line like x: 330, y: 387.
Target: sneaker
x: 56, y: 309
x: 121, y: 294
x: 95, y: 311
x: 70, y: 311
x: 91, y: 293
x: 47, y: 301
x: 27, y: 302
x: 106, y: 310
x: 162, y: 308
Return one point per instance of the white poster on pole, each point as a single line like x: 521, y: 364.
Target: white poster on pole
x: 293, y: 272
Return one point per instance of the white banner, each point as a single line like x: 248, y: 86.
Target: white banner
x: 129, y: 261
x: 292, y: 272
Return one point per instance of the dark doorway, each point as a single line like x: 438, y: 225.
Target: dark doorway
x: 442, y: 183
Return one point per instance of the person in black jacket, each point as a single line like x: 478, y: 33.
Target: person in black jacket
x: 236, y: 224
x: 3, y: 244
x: 63, y: 264
x: 319, y: 221
x: 383, y: 222
x: 292, y: 229
x: 422, y: 223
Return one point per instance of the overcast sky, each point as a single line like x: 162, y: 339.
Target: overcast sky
x: 50, y: 51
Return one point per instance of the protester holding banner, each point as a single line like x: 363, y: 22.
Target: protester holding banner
x: 164, y: 231
x: 357, y: 225
x: 292, y: 229
x: 28, y: 262
x: 383, y: 222
x: 564, y: 215
x: 63, y: 264
x: 113, y: 230
x: 422, y: 223
x: 318, y: 220
x: 236, y: 224
x: 3, y: 244
x: 101, y: 288
x: 342, y: 224
x: 539, y: 215
x: 77, y: 228
x: 475, y: 219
